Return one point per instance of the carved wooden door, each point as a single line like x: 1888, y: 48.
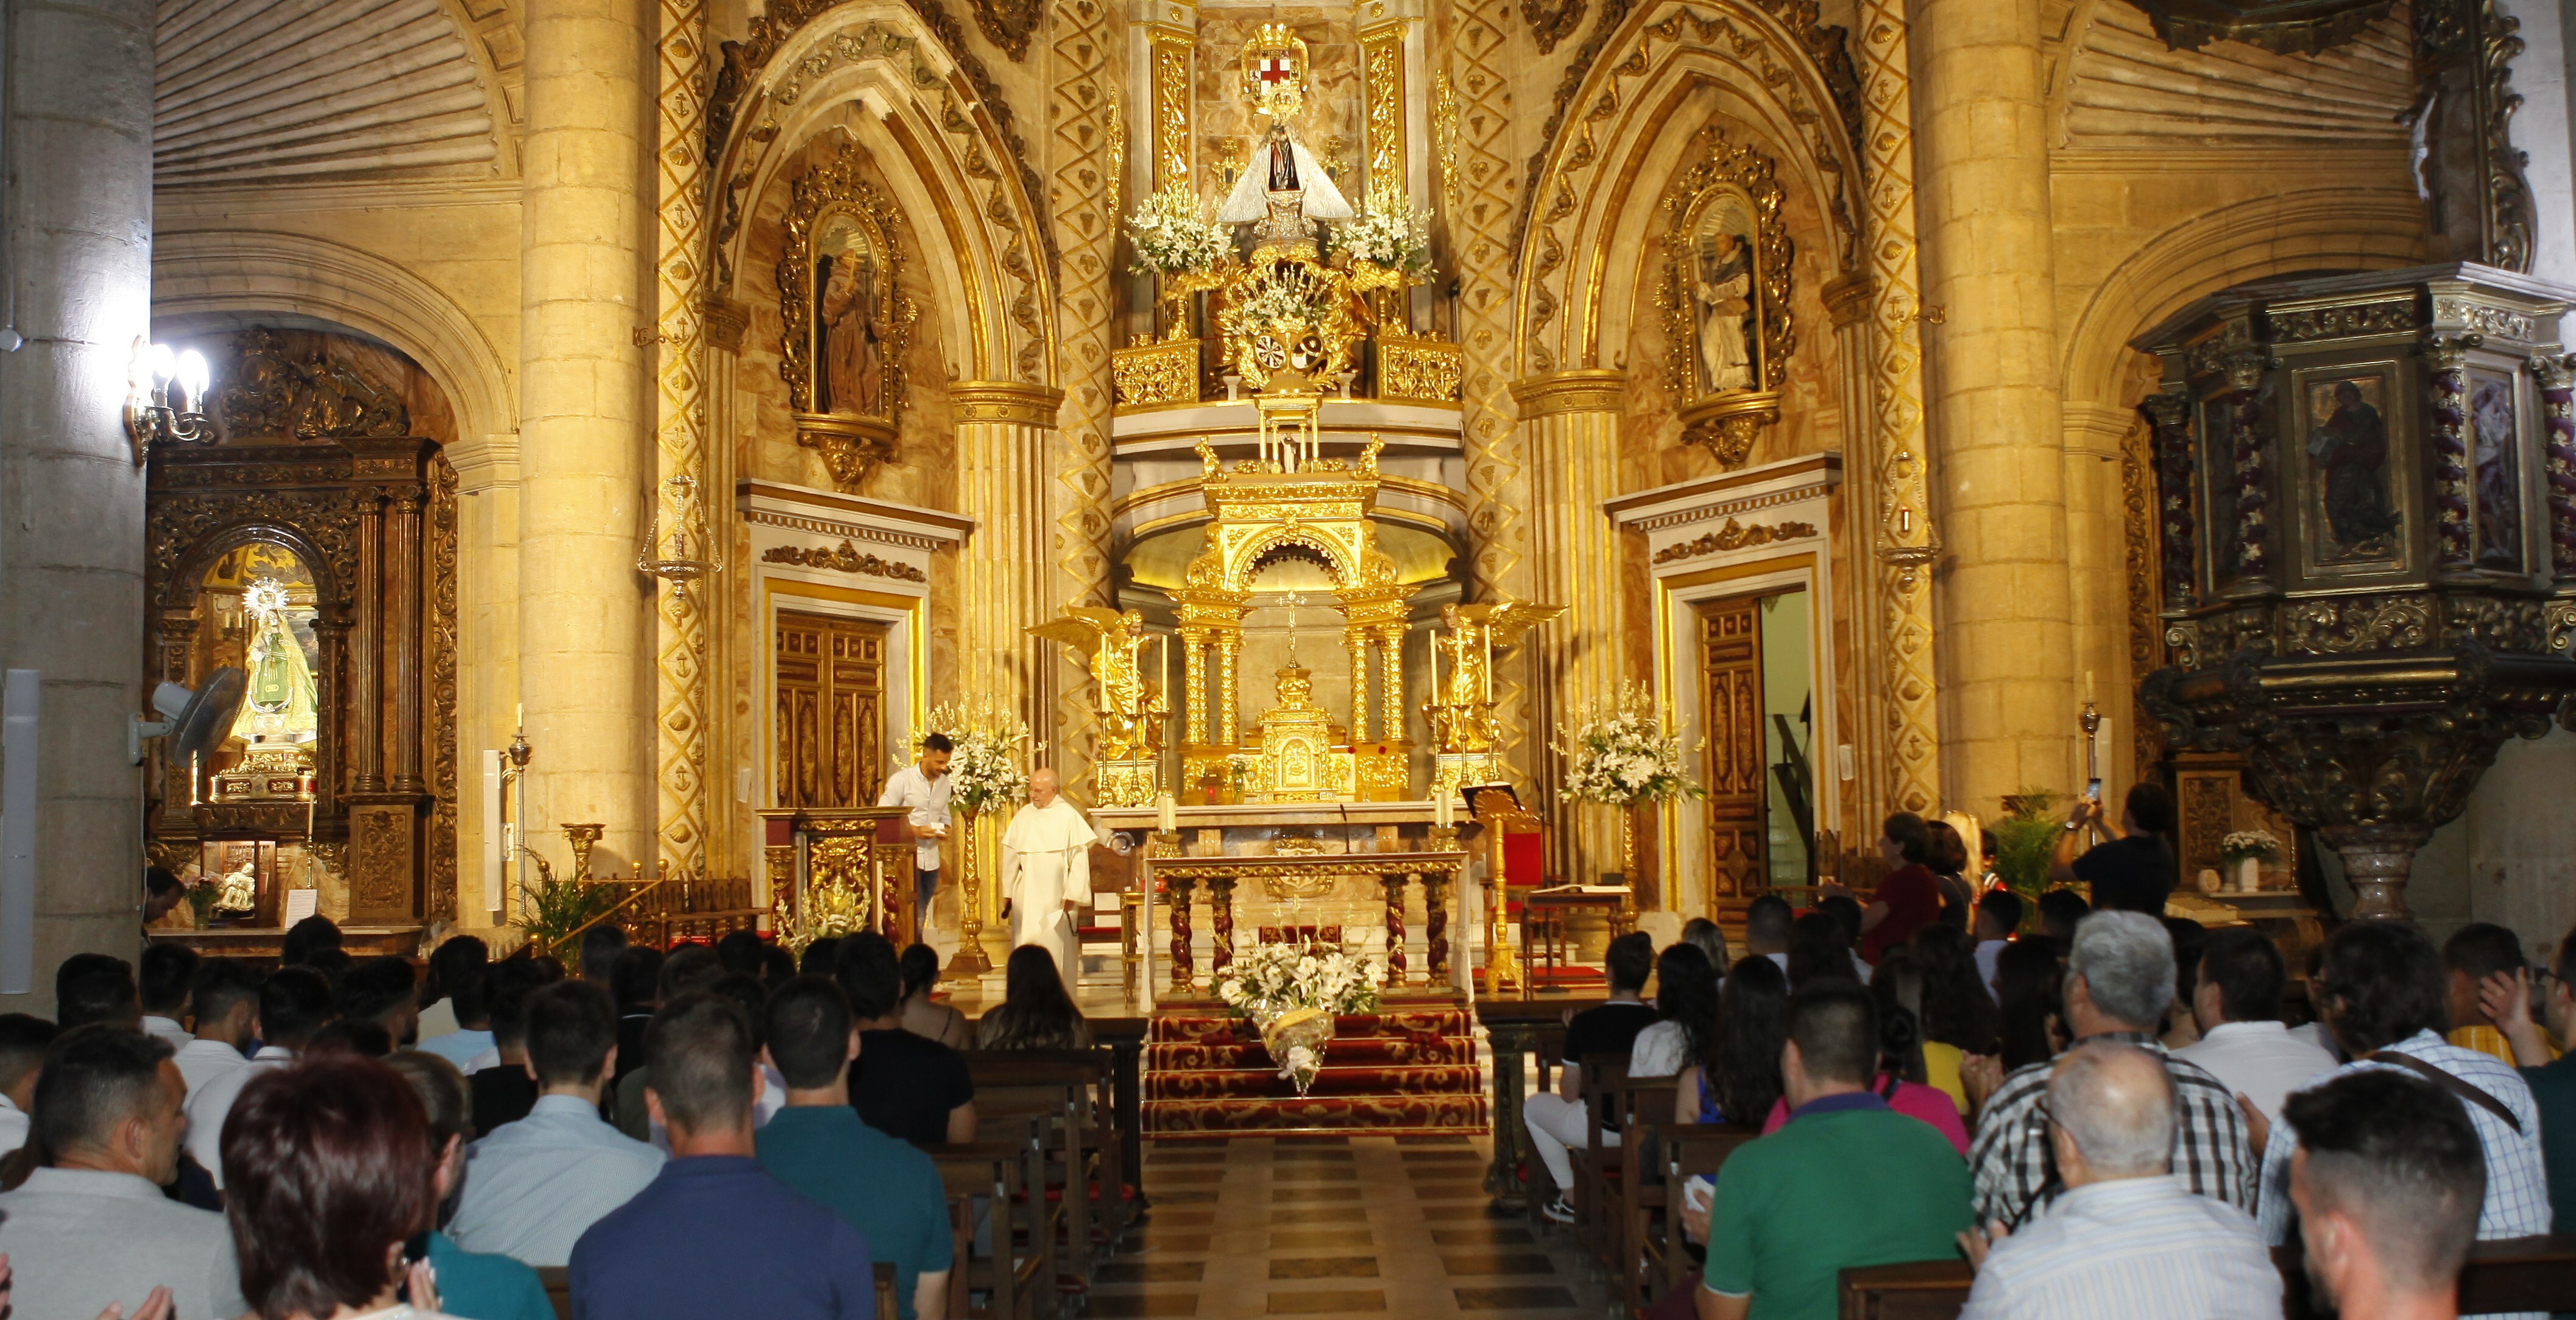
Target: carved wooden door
x: 831, y: 710
x: 1730, y: 633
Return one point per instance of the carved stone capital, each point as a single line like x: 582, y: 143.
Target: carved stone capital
x: 1003, y: 401
x: 726, y: 320
x: 1590, y: 389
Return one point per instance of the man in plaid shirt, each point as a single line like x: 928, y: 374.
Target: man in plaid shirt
x: 2119, y: 981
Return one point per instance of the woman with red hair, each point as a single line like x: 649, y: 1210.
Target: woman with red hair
x: 327, y: 1173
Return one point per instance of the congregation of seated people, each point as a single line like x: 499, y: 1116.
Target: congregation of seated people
x: 339, y: 1137
x: 2094, y: 1111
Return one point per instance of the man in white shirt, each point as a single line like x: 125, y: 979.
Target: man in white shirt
x: 533, y: 1187
x: 2242, y: 1042
x: 91, y: 1229
x: 922, y: 788
x: 1998, y: 916
x: 293, y: 1004
x: 227, y: 1000
x: 23, y: 1042
x: 2125, y: 1237
x: 166, y: 972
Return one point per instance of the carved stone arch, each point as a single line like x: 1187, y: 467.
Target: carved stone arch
x: 943, y: 140
x: 210, y: 274
x: 1596, y: 186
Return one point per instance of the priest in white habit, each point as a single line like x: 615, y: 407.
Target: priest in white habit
x: 1046, y: 871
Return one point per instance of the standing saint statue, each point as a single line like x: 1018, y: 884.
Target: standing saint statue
x: 1046, y: 871
x: 1725, y: 301
x: 853, y: 371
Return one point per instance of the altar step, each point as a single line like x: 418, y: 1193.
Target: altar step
x: 1409, y: 1068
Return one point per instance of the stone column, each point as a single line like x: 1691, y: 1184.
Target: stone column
x: 2005, y: 663
x: 1570, y: 424
x: 1003, y: 475
x: 585, y: 456
x: 71, y: 492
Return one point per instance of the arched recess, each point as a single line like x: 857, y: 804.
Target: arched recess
x: 955, y: 171
x: 1598, y: 183
x: 2315, y: 229
x: 206, y: 273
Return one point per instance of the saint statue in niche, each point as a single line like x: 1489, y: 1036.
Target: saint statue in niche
x: 849, y: 326
x: 2499, y: 485
x: 2350, y: 452
x: 281, y: 705
x: 1723, y: 293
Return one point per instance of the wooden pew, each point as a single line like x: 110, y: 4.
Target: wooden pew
x: 1006, y: 1172
x: 1690, y: 1150
x: 1596, y: 1164
x: 2511, y: 1274
x: 558, y: 1282
x: 886, y: 1307
x: 1638, y: 1106
x: 1074, y: 1091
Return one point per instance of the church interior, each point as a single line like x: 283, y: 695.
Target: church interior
x: 499, y: 467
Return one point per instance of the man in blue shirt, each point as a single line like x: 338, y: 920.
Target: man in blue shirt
x: 888, y: 1189
x: 715, y: 1234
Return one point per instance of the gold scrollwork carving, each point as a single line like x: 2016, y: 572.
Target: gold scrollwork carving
x: 1171, y: 108
x: 844, y: 558
x: 272, y: 392
x: 2338, y: 627
x: 1734, y: 536
x: 1426, y: 369
x: 1551, y: 21
x: 1382, y: 87
x: 2334, y: 322
x: 1149, y: 374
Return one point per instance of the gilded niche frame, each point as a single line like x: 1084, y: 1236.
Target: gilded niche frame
x: 846, y: 323
x: 1725, y: 294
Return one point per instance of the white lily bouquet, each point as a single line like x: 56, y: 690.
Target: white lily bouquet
x: 2257, y: 844
x: 1621, y: 756
x: 984, y: 766
x: 1173, y: 236
x: 1389, y: 233
x: 1292, y: 992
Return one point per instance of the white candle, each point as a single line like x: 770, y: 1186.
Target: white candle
x: 1166, y: 818
x: 521, y: 716
x: 2088, y: 687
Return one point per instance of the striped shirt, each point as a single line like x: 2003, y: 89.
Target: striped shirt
x: 2136, y: 1248
x: 2517, y: 1203
x: 2016, y: 1168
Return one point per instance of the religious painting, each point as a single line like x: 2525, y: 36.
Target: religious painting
x: 2354, y: 513
x: 2495, y: 472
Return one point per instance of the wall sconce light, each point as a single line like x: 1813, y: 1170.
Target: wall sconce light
x: 168, y: 390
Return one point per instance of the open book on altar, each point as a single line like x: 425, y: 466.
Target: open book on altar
x: 1582, y: 889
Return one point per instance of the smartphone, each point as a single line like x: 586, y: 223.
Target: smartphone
x: 2093, y: 789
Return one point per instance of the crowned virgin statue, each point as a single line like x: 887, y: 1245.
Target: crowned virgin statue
x: 280, y: 706
x: 1283, y: 188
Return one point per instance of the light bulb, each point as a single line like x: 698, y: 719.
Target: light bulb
x: 193, y: 377
x: 163, y: 364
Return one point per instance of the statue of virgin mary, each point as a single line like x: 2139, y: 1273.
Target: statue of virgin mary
x: 1283, y: 187
x: 281, y: 703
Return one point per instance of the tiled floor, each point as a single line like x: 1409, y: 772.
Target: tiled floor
x: 1259, y: 1226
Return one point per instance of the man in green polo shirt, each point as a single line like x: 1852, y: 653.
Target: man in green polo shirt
x: 1848, y: 1182
x: 889, y: 1190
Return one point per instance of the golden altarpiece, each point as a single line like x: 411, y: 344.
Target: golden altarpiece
x: 313, y: 544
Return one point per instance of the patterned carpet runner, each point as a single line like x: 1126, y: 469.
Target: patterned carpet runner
x: 1409, y: 1068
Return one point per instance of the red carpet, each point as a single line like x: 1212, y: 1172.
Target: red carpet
x: 1409, y: 1068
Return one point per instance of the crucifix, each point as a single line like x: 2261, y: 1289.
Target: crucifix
x: 1293, y: 601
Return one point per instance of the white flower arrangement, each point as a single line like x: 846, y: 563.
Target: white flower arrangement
x: 984, y: 766
x: 1621, y: 756
x: 1389, y: 232
x: 1272, y: 979
x: 2259, y: 844
x: 1279, y: 301
x: 1172, y: 234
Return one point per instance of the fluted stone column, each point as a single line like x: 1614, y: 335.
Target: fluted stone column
x: 2006, y: 657
x: 1005, y: 471
x: 1570, y: 430
x: 71, y: 494
x: 585, y: 455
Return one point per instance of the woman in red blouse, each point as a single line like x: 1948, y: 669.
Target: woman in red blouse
x: 1910, y: 897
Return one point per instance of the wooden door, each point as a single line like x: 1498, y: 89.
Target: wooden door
x: 831, y: 710
x: 1730, y: 632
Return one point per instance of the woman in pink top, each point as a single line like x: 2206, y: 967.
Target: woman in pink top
x: 1897, y: 988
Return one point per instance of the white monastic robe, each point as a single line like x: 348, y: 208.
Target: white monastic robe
x: 1046, y: 861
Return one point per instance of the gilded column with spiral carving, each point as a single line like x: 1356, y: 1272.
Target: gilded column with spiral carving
x: 680, y: 659
x: 1570, y: 421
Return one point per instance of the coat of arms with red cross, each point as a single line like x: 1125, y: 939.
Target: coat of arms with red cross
x: 1274, y: 70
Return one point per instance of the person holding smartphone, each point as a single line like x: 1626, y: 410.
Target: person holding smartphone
x: 2134, y: 872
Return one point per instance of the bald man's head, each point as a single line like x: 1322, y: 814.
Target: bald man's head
x: 2116, y: 1103
x: 1042, y: 785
